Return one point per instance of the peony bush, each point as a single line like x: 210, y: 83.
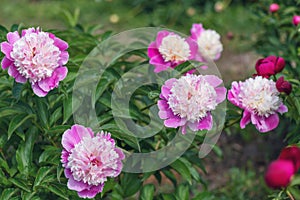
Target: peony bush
x: 47, y: 153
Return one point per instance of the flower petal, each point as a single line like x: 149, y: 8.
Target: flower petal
x: 6, y: 48
x: 74, y: 135
x: 77, y: 185
x: 5, y: 63
x: 221, y: 94
x: 233, y: 94
x: 282, y: 109
x: 213, y: 80
x: 206, y: 123
x: 152, y: 50
x: 264, y: 124
x: 160, y: 37
x: 196, y: 31
x: 245, y: 119
x: 61, y: 44
x: 159, y: 63
x: 92, y: 192
x: 174, y: 122
x: 64, y: 57
x: 12, y: 37
x: 38, y: 91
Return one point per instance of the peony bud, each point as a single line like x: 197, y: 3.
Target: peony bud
x: 283, y: 86
x: 269, y: 66
x: 279, y: 174
x: 291, y: 153
x: 274, y: 7
x: 296, y: 20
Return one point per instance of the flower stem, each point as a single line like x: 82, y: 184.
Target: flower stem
x: 290, y: 195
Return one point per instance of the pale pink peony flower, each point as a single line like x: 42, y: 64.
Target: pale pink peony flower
x: 260, y: 100
x: 209, y: 43
x: 170, y: 50
x: 88, y: 160
x: 189, y: 100
x: 37, y: 56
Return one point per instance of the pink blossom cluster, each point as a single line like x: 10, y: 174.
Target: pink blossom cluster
x: 89, y: 160
x: 189, y: 100
x: 259, y: 96
x: 170, y: 49
x: 36, y: 56
x: 274, y: 7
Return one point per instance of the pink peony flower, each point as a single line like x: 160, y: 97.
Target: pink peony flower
x: 88, y: 160
x: 189, y: 100
x: 209, y: 44
x: 283, y: 86
x: 274, y: 7
x: 296, y: 20
x: 170, y: 50
x: 279, y: 174
x: 37, y: 56
x: 260, y: 100
x: 291, y: 153
x: 269, y: 66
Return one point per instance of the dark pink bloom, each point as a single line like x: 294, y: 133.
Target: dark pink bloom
x: 170, y: 50
x: 279, y: 174
x: 88, y: 160
x: 209, y: 43
x: 274, y: 7
x: 269, y: 66
x: 283, y: 86
x: 259, y: 99
x: 291, y: 153
x: 296, y: 20
x: 189, y: 100
x: 36, y: 56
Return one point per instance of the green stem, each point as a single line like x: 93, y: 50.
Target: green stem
x: 290, y: 195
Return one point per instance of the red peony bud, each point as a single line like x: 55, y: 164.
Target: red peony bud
x: 274, y: 7
x: 291, y: 153
x: 279, y: 174
x: 296, y: 20
x: 269, y: 66
x: 283, y: 86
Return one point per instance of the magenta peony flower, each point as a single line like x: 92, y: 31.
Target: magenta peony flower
x: 170, y: 50
x: 189, y: 100
x: 296, y: 20
x: 260, y: 100
x: 291, y: 153
x: 279, y: 174
x: 274, y: 7
x: 37, y: 56
x: 209, y: 44
x: 283, y: 86
x: 269, y: 66
x: 89, y: 160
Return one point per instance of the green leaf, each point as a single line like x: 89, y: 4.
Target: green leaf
x: 182, y: 169
x: 147, y: 192
x: 57, y: 189
x: 41, y: 174
x: 7, y: 111
x: 17, y: 90
x: 295, y: 180
x: 8, y: 193
x: 182, y: 193
x: 51, y: 155
x: 55, y: 116
x: 42, y: 111
x: 17, y: 121
x: 67, y: 106
x: 24, y: 151
x: 168, y: 197
x: 58, y: 129
x: 20, y: 183
x: 295, y: 192
x: 3, y: 179
x: 130, y: 184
